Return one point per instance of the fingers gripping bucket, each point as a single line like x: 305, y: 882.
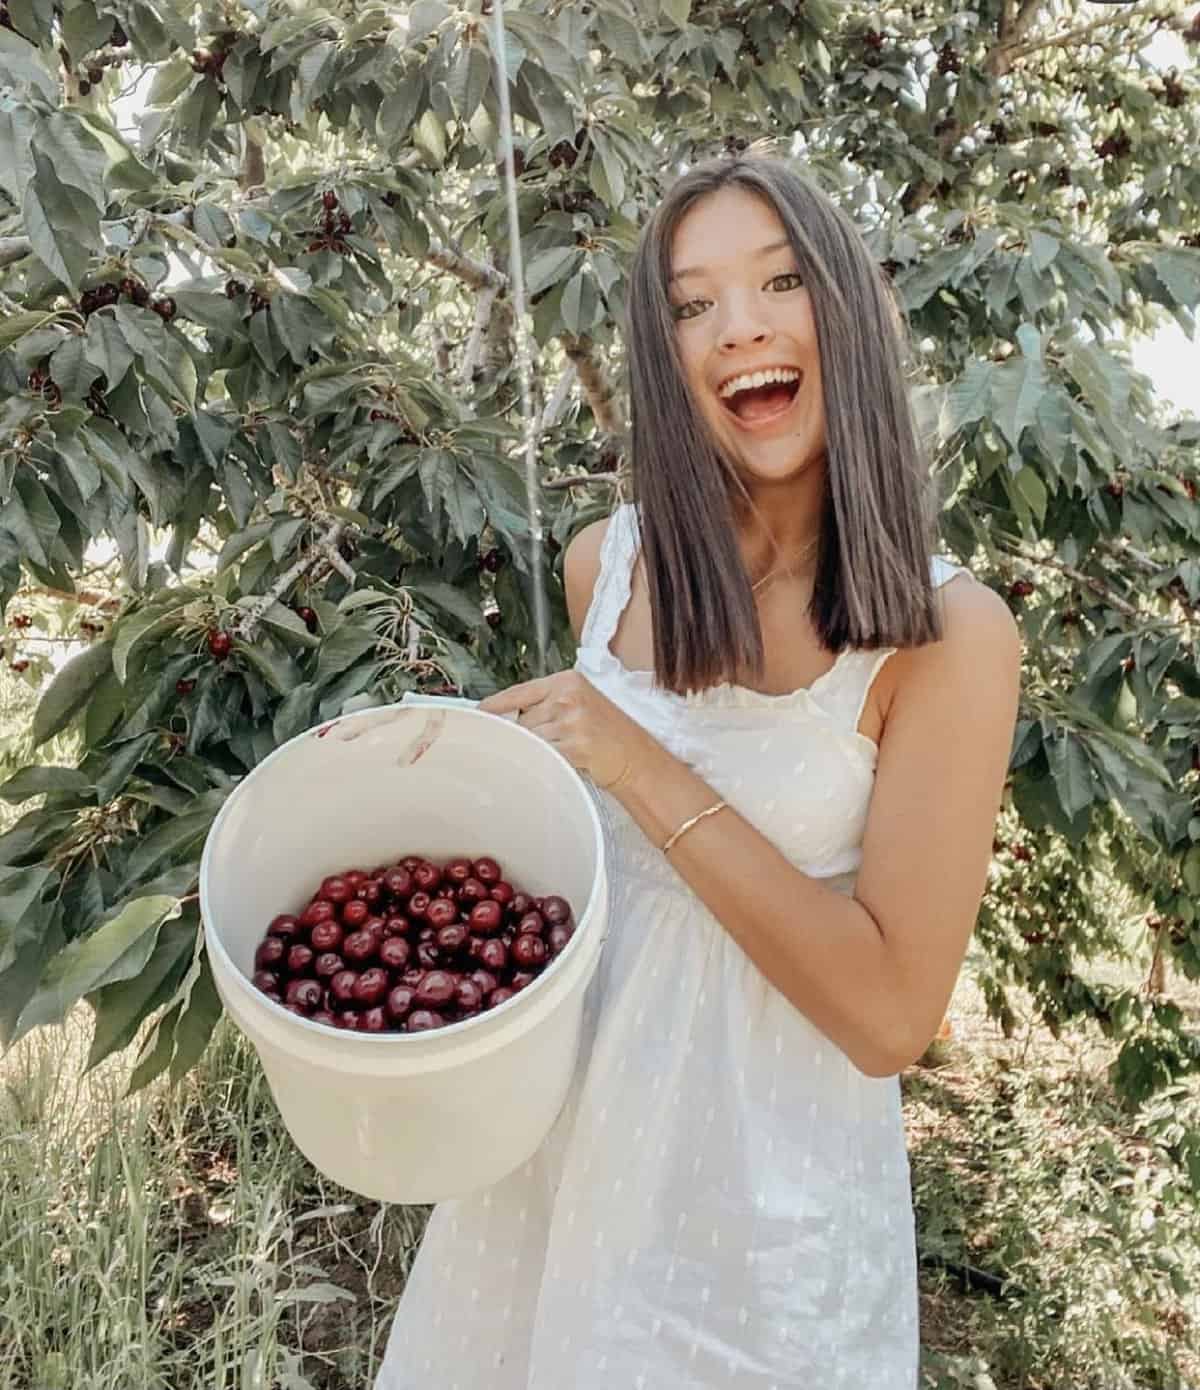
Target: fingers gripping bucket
x: 418, y: 1117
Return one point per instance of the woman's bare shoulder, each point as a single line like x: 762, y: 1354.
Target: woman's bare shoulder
x: 581, y: 568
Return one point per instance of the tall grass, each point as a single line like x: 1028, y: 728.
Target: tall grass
x: 177, y: 1239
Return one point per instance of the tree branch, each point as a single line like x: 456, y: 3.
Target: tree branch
x: 254, y: 167
x: 474, y: 273
x: 593, y: 377
x: 248, y: 625
x: 582, y: 480
x: 483, y: 312
x: 1072, y: 36
x: 558, y: 399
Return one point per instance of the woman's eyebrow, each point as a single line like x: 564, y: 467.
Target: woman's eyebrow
x: 757, y: 255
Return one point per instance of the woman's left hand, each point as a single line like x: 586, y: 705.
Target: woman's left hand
x: 567, y: 710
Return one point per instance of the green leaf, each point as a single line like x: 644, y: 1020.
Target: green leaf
x: 39, y: 780
x: 22, y: 66
x: 20, y: 892
x: 71, y: 369
x: 107, y: 349
x: 68, y: 692
x: 341, y: 650
x: 15, y: 326
x: 1071, y: 771
x: 76, y: 156
x: 183, y: 1031
x: 62, y: 228
x: 581, y: 307
x: 170, y: 840
x: 1030, y: 487
x: 115, y: 951
x: 123, y: 1007
x: 1017, y: 389
x: 550, y: 267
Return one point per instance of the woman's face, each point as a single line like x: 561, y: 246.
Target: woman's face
x: 741, y: 309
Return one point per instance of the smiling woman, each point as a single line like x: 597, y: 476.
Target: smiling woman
x: 746, y: 268
x: 803, y: 779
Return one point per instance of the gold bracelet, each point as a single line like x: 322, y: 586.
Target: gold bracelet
x: 616, y: 782
x: 687, y: 825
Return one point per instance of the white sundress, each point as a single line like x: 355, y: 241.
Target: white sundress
x: 724, y: 1202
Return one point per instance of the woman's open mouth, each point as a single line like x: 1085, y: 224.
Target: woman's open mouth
x: 761, y: 406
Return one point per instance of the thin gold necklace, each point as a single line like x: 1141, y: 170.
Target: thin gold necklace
x: 754, y: 588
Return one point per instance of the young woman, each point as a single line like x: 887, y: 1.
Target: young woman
x: 802, y: 721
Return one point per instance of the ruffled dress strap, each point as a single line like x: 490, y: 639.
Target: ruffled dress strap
x: 843, y: 694
x: 618, y: 554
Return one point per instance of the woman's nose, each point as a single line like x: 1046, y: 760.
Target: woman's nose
x: 743, y: 328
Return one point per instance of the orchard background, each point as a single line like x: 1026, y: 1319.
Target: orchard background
x: 261, y: 462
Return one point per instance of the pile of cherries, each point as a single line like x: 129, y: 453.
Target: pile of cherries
x: 410, y: 946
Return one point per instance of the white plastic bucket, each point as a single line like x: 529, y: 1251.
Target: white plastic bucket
x: 427, y: 1116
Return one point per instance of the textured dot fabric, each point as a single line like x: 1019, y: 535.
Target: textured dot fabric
x: 724, y: 1201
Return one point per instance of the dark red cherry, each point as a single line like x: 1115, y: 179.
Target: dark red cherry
x: 372, y: 1020
x: 441, y: 912
x: 472, y: 892
x: 356, y: 877
x: 395, y: 952
x: 453, y: 938
x: 370, y: 891
x: 501, y: 893
x: 341, y: 985
x: 486, y: 917
x: 557, y: 938
x: 499, y: 996
x: 371, y: 986
x: 400, y: 1000
x: 326, y: 936
x: 360, y: 947
x: 487, y: 871
x: 355, y: 913
x: 457, y: 870
x: 413, y: 976
x: 395, y: 926
x: 485, y: 980
x: 468, y: 996
x: 306, y: 993
x: 529, y: 950
x: 299, y: 958
x: 347, y: 1021
x: 266, y: 980
x: 398, y: 882
x: 422, y: 1020
x: 556, y: 910
x: 493, y: 955
x: 436, y: 989
x: 521, y: 979
x: 418, y: 904
x: 533, y: 924
x: 519, y: 905
x: 410, y: 862
x: 427, y: 875
x: 335, y: 889
x: 325, y: 1017
x: 327, y: 965
x: 319, y: 910
x: 285, y: 925
x: 428, y: 955
x: 270, y: 952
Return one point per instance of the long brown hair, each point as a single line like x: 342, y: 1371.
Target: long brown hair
x: 878, y: 527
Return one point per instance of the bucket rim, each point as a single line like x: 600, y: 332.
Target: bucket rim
x: 458, y: 1028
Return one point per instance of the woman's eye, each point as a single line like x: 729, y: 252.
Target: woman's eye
x: 680, y: 310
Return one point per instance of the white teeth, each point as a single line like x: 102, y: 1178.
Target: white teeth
x: 754, y: 379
